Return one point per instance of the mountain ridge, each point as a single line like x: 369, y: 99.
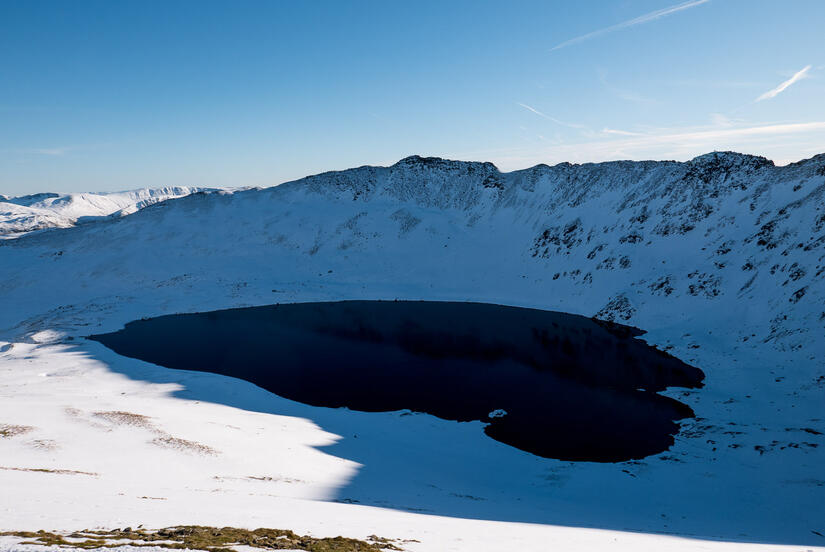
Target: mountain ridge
x: 586, y: 219
x: 719, y: 260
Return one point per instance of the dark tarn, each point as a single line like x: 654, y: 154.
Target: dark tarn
x: 572, y: 388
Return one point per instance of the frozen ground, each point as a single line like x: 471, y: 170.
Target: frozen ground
x: 720, y: 259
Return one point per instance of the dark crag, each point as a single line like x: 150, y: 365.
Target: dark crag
x: 572, y: 388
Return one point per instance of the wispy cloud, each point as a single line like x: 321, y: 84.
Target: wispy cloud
x: 781, y: 88
x: 549, y: 118
x: 646, y: 18
x: 54, y: 152
x: 679, y: 143
x: 606, y: 130
x: 627, y: 95
x: 50, y: 152
x: 721, y: 120
x: 534, y: 110
x: 32, y: 154
x: 758, y: 130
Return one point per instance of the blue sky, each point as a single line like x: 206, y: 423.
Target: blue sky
x: 117, y: 95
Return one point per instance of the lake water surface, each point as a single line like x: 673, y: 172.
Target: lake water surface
x: 553, y: 384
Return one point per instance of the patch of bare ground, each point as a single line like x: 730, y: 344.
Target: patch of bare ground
x: 121, y: 418
x: 79, y: 415
x: 11, y: 430
x: 176, y: 443
x: 43, y: 444
x: 262, y: 478
x: 50, y: 470
x: 196, y: 537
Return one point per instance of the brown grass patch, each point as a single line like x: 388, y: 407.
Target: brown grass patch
x: 176, y: 443
x: 11, y: 430
x: 119, y: 417
x: 49, y: 470
x: 43, y: 444
x: 211, y: 539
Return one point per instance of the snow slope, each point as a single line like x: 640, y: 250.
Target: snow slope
x: 720, y: 259
x: 23, y: 214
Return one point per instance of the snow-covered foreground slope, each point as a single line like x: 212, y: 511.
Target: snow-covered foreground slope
x: 22, y: 214
x: 720, y: 259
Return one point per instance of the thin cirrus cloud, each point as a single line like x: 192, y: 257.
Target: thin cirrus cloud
x: 616, y: 132
x: 54, y: 152
x: 781, y: 88
x: 49, y: 152
x: 708, y: 136
x: 695, y: 140
x: 672, y: 143
x: 702, y: 140
x: 549, y: 118
x: 646, y: 18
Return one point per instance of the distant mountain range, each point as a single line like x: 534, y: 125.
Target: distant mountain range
x: 28, y: 213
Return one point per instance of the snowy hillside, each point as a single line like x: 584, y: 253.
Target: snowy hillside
x: 720, y: 259
x: 48, y: 210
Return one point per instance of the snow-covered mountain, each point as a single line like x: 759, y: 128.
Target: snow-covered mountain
x: 720, y: 259
x: 28, y: 213
x: 725, y: 233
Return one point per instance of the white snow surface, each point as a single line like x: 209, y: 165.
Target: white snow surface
x: 22, y: 214
x: 719, y: 259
